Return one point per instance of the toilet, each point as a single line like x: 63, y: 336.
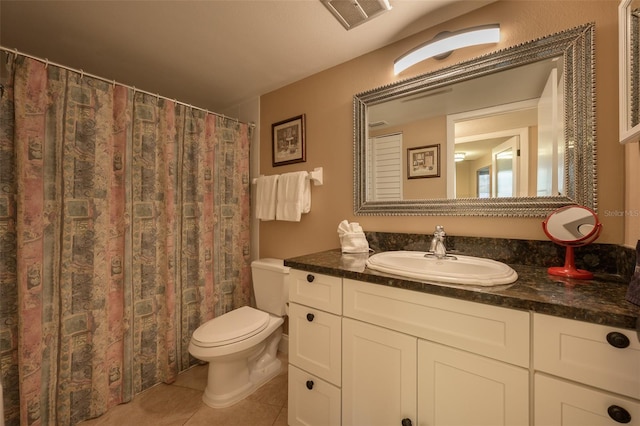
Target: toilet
x: 241, y: 345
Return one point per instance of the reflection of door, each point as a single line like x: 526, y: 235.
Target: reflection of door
x: 483, y: 180
x: 550, y: 138
x: 384, y: 179
x: 504, y: 166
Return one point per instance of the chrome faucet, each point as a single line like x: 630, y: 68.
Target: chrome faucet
x: 438, y: 248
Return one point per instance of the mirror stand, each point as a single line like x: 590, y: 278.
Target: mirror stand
x: 569, y: 269
x: 571, y: 226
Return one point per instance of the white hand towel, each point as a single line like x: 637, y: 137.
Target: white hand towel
x: 266, y: 187
x: 293, y: 196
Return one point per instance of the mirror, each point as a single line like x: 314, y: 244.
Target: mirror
x: 572, y: 226
x: 482, y: 109
x: 629, y: 56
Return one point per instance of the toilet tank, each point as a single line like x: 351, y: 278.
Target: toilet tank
x: 270, y: 285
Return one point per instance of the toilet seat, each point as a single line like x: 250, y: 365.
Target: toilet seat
x: 232, y: 327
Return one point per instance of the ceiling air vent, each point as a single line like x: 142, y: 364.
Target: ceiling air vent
x: 352, y: 13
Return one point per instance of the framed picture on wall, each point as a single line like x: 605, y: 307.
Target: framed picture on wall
x: 423, y: 162
x: 288, y: 141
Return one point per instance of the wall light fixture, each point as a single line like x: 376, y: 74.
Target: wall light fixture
x: 444, y: 43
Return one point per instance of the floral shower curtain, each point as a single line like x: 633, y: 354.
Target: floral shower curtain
x: 124, y: 224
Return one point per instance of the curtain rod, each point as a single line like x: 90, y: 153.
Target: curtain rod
x: 47, y: 62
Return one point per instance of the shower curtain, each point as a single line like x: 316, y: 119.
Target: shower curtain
x: 124, y: 224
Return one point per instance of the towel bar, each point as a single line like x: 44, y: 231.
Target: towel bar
x: 316, y: 176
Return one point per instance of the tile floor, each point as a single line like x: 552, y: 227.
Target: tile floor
x: 181, y: 404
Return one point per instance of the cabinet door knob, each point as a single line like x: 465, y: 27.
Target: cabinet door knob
x: 310, y: 317
x: 619, y: 414
x: 309, y: 384
x: 618, y: 340
x: 310, y: 278
x: 406, y: 422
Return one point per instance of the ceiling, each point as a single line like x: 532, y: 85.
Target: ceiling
x: 213, y: 54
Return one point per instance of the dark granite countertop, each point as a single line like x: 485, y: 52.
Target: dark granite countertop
x: 600, y: 301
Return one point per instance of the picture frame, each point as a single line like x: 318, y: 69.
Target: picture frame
x: 288, y: 141
x: 423, y: 162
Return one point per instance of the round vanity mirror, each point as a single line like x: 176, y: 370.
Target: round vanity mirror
x: 572, y: 226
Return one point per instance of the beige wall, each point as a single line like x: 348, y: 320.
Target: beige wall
x: 326, y: 99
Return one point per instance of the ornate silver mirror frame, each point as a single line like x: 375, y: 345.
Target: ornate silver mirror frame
x: 576, y: 46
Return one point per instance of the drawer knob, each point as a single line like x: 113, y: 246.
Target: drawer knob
x: 619, y: 414
x: 618, y: 340
x: 406, y: 422
x: 309, y: 384
x: 310, y: 317
x: 310, y: 278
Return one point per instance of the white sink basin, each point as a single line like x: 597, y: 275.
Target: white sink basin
x: 458, y: 270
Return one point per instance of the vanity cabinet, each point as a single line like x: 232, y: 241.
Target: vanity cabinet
x: 315, y: 349
x: 585, y: 373
x: 371, y: 354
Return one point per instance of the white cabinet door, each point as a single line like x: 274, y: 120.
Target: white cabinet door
x: 561, y: 403
x: 315, y: 343
x: 379, y: 375
x: 312, y: 401
x: 460, y: 388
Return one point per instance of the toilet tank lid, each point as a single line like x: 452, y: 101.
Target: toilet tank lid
x: 270, y: 264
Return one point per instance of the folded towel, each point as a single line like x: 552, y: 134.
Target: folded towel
x: 352, y: 238
x: 356, y: 262
x: 293, y: 196
x: 266, y: 197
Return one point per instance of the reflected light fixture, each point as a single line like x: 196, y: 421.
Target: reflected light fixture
x: 459, y: 156
x: 444, y: 43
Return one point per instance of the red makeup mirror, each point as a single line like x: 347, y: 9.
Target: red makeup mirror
x: 572, y: 226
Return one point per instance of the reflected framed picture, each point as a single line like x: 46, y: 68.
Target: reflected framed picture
x: 288, y: 141
x: 423, y: 162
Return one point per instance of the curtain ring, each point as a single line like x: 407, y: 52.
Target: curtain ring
x: 46, y: 63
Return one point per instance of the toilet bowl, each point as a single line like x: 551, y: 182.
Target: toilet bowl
x: 241, y: 346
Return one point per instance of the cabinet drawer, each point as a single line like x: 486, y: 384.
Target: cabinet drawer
x: 498, y: 333
x: 563, y: 403
x: 312, y: 401
x: 315, y: 342
x: 316, y: 290
x: 580, y: 351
